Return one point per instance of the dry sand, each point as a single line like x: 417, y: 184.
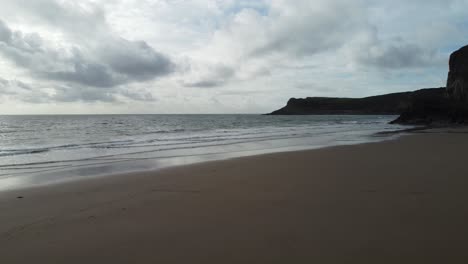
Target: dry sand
x: 402, y: 201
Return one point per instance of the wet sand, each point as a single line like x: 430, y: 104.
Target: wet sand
x: 401, y: 201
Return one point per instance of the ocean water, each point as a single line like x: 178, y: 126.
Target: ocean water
x: 44, y: 149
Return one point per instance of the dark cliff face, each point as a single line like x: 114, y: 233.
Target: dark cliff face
x: 449, y: 108
x: 389, y: 104
x: 432, y: 108
x: 457, y: 81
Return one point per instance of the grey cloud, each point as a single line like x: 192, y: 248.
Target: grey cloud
x: 136, y: 59
x: 5, y: 32
x: 205, y: 84
x: 138, y: 95
x: 25, y: 92
x: 28, y: 51
x: 83, y: 94
x: 89, y: 94
x: 22, y: 91
x: 34, y: 98
x: 306, y: 28
x: 303, y: 40
x: 24, y: 50
x: 129, y: 61
x: 88, y: 74
x: 119, y: 62
x: 217, y: 75
x: 397, y: 56
x: 113, y: 62
x: 75, y: 16
x: 6, y: 88
x: 24, y: 86
x: 3, y: 82
x: 12, y: 87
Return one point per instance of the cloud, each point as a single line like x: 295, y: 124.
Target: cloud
x: 122, y: 51
x: 309, y: 27
x: 398, y: 56
x: 25, y: 92
x: 135, y: 59
x: 205, y: 84
x: 74, y: 17
x: 299, y: 28
x: 83, y: 94
x: 332, y: 35
x: 254, y: 42
x: 5, y: 33
x: 113, y: 62
x: 88, y: 61
x: 14, y: 89
x: 144, y: 96
x: 13, y: 86
x: 207, y: 75
x: 88, y: 74
x: 25, y: 50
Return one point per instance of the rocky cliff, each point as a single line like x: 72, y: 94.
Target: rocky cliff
x: 457, y: 81
x: 427, y: 106
x: 389, y: 104
x: 449, y: 108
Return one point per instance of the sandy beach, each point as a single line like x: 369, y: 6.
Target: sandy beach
x: 400, y: 201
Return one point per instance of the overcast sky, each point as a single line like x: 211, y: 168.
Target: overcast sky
x: 218, y: 56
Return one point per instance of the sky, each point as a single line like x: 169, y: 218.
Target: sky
x: 218, y: 56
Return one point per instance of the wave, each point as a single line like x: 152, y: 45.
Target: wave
x: 82, y: 143
x: 239, y: 135
x: 165, y: 131
x: 12, y: 152
x: 158, y: 148
x: 5, y: 153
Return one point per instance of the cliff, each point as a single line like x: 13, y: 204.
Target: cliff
x: 389, y: 104
x: 457, y: 81
x: 449, y: 108
x: 436, y: 106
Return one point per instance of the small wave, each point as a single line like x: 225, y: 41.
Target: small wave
x: 14, y: 152
x: 163, y: 131
x: 8, y: 131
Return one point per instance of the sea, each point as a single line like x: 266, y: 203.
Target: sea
x: 38, y: 150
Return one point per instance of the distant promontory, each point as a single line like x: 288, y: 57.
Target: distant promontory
x: 426, y: 106
x: 388, y: 104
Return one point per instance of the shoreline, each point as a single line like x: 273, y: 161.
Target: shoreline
x: 399, y: 201
x: 153, y: 165
x: 94, y: 179
x: 186, y: 166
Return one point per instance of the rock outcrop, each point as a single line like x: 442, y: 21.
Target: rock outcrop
x: 389, y: 104
x: 432, y: 109
x: 450, y: 108
x: 457, y: 81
